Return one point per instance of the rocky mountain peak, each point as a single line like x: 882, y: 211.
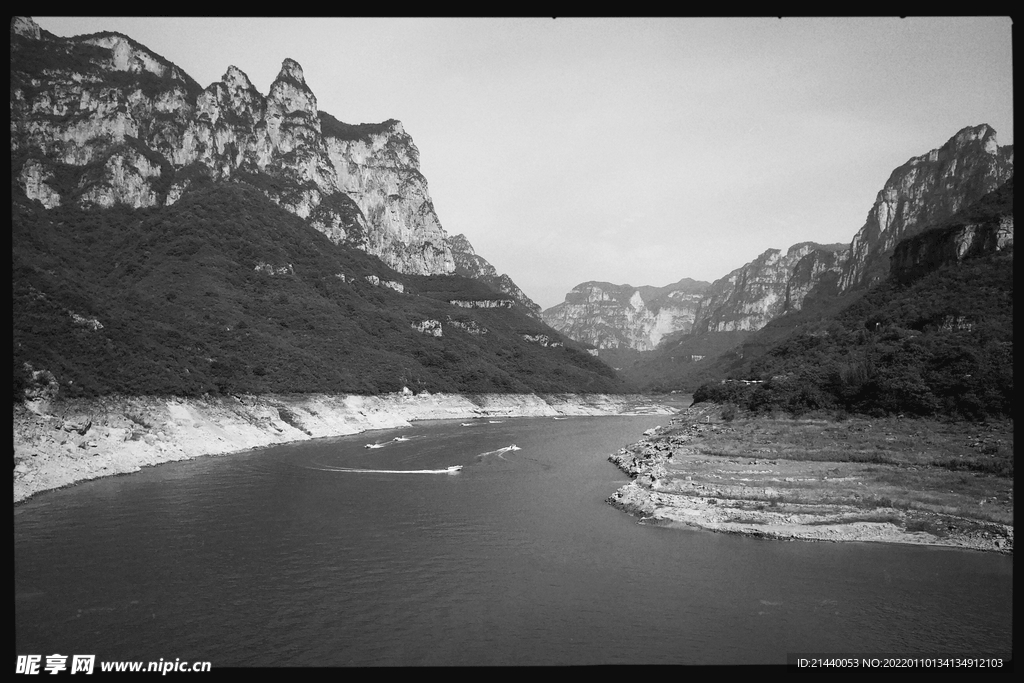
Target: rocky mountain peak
x: 24, y: 26
x: 983, y: 132
x: 461, y: 244
x: 290, y: 70
x: 236, y: 79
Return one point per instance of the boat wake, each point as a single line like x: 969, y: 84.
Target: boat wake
x: 449, y: 470
x: 499, y: 452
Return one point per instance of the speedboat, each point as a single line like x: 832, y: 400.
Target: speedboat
x: 401, y: 438
x: 374, y: 445
x: 454, y: 468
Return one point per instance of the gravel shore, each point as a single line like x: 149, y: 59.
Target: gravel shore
x: 683, y: 475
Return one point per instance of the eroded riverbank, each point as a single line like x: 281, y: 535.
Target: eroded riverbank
x: 895, y: 481
x: 63, y: 442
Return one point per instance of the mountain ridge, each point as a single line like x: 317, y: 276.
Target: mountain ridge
x: 100, y: 119
x: 925, y: 189
x: 172, y: 240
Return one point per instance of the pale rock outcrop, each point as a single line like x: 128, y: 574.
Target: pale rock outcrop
x: 542, y: 340
x: 470, y: 326
x: 271, y: 269
x: 390, y: 284
x: 36, y: 179
x: 429, y: 327
x: 613, y: 316
x: 483, y: 303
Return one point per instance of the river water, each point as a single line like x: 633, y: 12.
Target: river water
x: 286, y: 557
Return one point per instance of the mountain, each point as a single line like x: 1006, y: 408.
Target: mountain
x: 985, y: 227
x: 100, y: 120
x: 923, y: 191
x: 469, y: 264
x: 611, y: 316
x: 779, y: 290
x: 934, y: 338
x: 773, y: 283
x: 171, y: 239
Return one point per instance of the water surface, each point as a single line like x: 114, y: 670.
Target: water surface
x: 275, y: 557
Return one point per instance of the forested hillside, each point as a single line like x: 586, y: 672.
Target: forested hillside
x: 225, y: 292
x: 934, y: 339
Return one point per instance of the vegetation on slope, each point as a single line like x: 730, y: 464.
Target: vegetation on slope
x: 941, y: 346
x: 224, y: 292
x: 932, y: 340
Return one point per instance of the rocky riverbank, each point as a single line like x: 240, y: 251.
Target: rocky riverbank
x: 894, y: 481
x: 58, y: 443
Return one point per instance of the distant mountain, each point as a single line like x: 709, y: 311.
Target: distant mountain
x: 174, y: 239
x: 611, y: 316
x: 777, y: 290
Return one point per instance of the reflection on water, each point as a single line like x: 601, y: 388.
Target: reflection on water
x: 265, y: 558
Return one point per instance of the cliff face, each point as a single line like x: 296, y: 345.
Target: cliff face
x: 752, y: 295
x: 469, y: 264
x: 613, y: 316
x: 987, y: 229
x: 100, y: 120
x: 925, y: 190
x: 379, y: 170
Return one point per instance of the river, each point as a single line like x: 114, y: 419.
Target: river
x: 287, y: 556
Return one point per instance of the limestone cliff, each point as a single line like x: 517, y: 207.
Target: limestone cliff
x: 923, y: 191
x: 985, y: 229
x: 614, y: 316
x: 378, y: 167
x: 750, y: 296
x: 469, y: 264
x: 100, y: 120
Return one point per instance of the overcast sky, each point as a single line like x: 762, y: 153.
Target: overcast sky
x: 637, y: 151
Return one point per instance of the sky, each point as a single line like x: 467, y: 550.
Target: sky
x: 632, y: 151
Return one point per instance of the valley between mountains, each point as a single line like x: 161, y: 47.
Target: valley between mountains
x: 197, y: 270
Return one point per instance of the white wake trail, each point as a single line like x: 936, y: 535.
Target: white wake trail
x: 499, y: 452
x: 450, y: 470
